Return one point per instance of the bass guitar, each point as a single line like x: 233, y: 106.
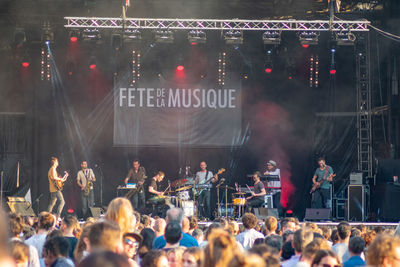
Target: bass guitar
x: 319, y: 183
x: 201, y: 187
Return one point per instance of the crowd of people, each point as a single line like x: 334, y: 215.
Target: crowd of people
x: 123, y: 238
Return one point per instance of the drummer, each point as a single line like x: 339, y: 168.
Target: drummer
x: 159, y: 206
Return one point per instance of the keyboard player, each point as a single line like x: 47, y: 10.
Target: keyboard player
x: 274, y: 186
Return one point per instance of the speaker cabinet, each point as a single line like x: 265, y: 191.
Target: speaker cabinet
x: 21, y: 207
x: 263, y: 213
x: 356, y: 203
x: 318, y: 214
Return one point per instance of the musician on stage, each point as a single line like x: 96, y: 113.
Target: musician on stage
x: 203, y: 177
x: 137, y: 175
x: 157, y: 196
x: 153, y: 186
x: 323, y: 176
x: 275, y: 186
x: 256, y: 199
x: 85, y: 179
x: 54, y: 188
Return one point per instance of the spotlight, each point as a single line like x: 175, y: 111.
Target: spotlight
x: 132, y: 35
x: 197, y: 37
x: 345, y: 38
x: 25, y: 61
x: 305, y: 45
x: 332, y: 71
x: 92, y: 63
x: 164, y: 36
x: 25, y: 64
x: 180, y: 68
x: 272, y: 37
x: 268, y: 70
x: 308, y: 38
x: 47, y: 34
x: 233, y: 37
x: 92, y: 66
x: 73, y: 36
x: 91, y: 34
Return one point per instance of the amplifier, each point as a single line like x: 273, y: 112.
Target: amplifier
x: 268, y: 201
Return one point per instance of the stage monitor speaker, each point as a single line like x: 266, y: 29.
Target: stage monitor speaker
x: 356, y: 203
x: 96, y: 212
x: 317, y: 214
x: 263, y: 213
x: 24, y: 208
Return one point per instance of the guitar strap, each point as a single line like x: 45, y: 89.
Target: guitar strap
x: 326, y: 172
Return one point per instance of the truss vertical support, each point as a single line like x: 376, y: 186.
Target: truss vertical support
x: 363, y: 86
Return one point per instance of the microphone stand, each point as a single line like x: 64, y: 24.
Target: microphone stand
x: 37, y: 202
x: 101, y: 184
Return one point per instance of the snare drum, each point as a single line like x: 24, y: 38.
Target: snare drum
x: 239, y: 201
x: 183, y: 195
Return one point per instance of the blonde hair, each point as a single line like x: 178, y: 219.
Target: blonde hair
x: 384, y: 246
x: 120, y: 211
x: 221, y: 249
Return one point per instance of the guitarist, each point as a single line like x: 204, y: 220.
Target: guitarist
x: 55, y: 186
x: 322, y: 177
x: 205, y: 176
x: 137, y: 175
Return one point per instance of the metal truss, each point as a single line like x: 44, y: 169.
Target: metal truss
x: 224, y: 25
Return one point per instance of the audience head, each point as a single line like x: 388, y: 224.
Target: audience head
x: 301, y: 238
x: 174, y: 215
x: 271, y: 224
x: 185, y: 224
x: 173, y: 233
x: 192, y: 257
x: 104, y: 259
x: 159, y: 226
x: 267, y: 253
x: 221, y: 248
x: 105, y: 236
x: 249, y: 220
x: 344, y: 230
x: 148, y: 236
x: 174, y: 256
x: 46, y: 221
x: 131, y: 243
x: 15, y: 224
x: 20, y: 253
x: 69, y: 223
x: 198, y: 235
x: 312, y: 248
x: 55, y: 248
x: 384, y: 251
x: 193, y: 223
x: 356, y: 245
x: 288, y: 223
x: 274, y: 241
x: 325, y: 258
x: 155, y: 258
x: 120, y: 211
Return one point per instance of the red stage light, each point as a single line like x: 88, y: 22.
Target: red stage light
x: 332, y: 71
x: 290, y: 77
x: 289, y: 212
x: 193, y: 43
x: 180, y: 68
x: 25, y: 64
x: 268, y: 70
x: 73, y: 39
x: 70, y: 73
x: 92, y: 66
x: 70, y: 210
x: 305, y: 45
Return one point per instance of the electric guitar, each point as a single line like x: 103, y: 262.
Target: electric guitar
x: 319, y: 183
x: 199, y: 186
x: 60, y: 183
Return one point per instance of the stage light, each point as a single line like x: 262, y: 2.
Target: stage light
x: 70, y: 211
x: 332, y: 71
x: 197, y: 37
x: 73, y: 36
x: 345, y: 38
x: 233, y: 37
x: 164, y: 36
x: 268, y: 70
x: 25, y: 64
x: 136, y: 59
x: 221, y: 68
x: 73, y: 39
x: 91, y: 34
x: 308, y: 38
x: 271, y: 37
x: 305, y: 45
x: 180, y: 68
x: 92, y: 66
x: 132, y: 35
x: 47, y: 33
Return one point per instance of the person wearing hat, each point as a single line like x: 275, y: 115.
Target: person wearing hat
x: 274, y: 186
x: 131, y: 241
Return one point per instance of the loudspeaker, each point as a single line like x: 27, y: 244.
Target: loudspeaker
x: 95, y: 212
x: 268, y: 201
x: 318, y: 214
x: 356, y: 203
x: 263, y: 213
x: 22, y: 207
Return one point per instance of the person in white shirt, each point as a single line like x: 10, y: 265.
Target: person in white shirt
x: 344, y: 231
x: 249, y: 235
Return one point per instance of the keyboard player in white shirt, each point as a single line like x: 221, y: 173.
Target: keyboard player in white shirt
x: 274, y: 186
x: 204, y: 176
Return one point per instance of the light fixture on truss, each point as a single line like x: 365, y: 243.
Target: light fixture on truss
x: 197, y: 37
x: 271, y: 37
x: 164, y: 36
x: 234, y: 37
x: 132, y: 35
x: 91, y: 34
x: 308, y: 37
x: 345, y: 38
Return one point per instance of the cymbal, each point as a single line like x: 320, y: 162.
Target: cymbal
x: 183, y: 188
x: 240, y: 193
x: 226, y: 187
x: 169, y: 192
